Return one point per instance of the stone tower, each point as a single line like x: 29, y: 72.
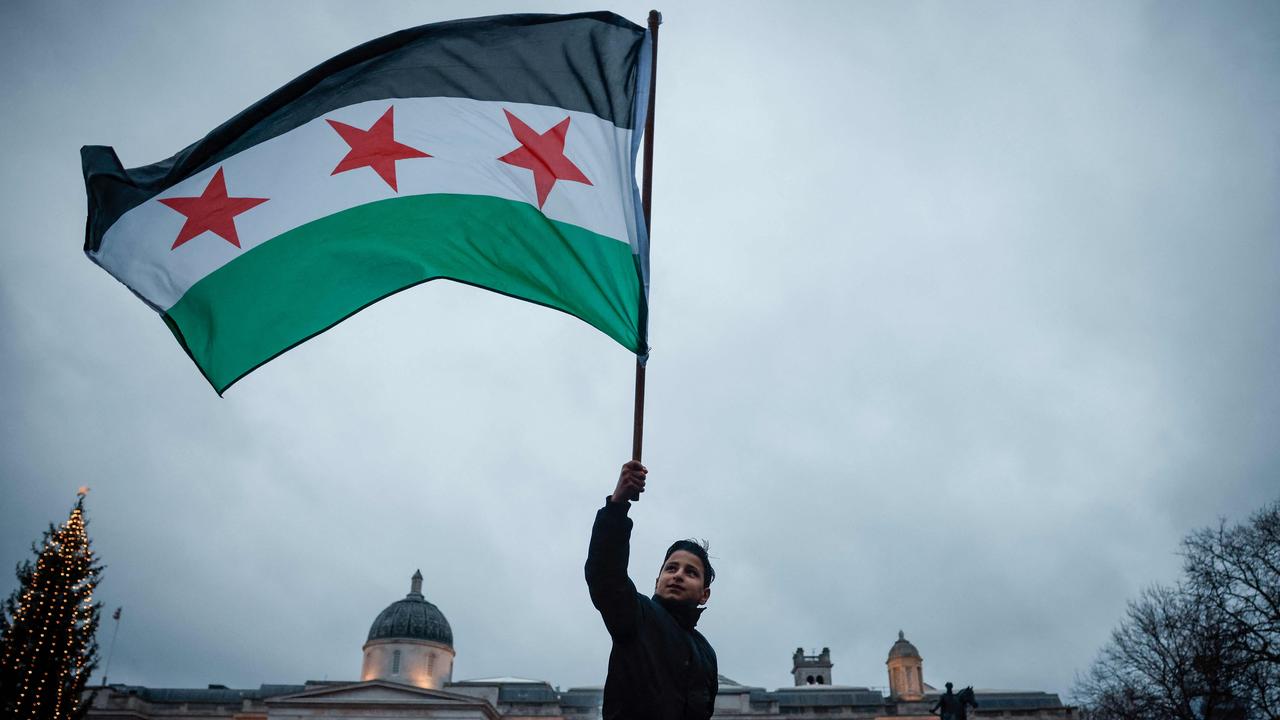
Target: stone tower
x: 811, y: 669
x: 410, y: 642
x: 906, y: 671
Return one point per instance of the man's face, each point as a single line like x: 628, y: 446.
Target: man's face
x: 682, y: 580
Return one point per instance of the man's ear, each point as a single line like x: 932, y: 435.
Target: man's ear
x: 706, y: 594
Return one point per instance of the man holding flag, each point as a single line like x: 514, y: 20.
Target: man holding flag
x: 660, y: 667
x: 498, y: 152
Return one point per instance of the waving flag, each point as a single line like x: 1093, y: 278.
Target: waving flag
x: 498, y: 152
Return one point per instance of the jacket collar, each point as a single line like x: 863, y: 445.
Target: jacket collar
x: 686, y: 616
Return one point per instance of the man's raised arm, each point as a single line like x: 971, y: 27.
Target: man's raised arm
x: 612, y: 592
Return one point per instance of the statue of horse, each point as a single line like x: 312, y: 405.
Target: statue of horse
x: 965, y: 697
x: 955, y: 706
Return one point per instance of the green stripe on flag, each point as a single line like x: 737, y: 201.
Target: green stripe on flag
x: 304, y: 281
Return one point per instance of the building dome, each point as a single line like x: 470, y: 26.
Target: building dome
x: 410, y: 642
x: 412, y: 618
x: 903, y: 649
x: 906, y: 671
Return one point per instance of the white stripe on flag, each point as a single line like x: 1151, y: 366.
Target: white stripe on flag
x: 465, y: 139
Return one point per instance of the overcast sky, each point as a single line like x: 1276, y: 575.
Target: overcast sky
x: 963, y: 315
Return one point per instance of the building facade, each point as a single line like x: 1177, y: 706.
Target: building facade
x: 407, y: 674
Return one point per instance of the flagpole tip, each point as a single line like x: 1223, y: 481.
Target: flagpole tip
x: 655, y: 18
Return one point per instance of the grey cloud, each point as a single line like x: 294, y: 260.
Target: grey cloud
x: 974, y: 303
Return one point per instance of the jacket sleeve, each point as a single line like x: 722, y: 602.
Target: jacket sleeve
x: 612, y: 592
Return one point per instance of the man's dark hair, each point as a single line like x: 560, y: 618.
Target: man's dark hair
x: 699, y: 550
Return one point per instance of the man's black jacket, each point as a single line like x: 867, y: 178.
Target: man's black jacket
x: 660, y: 668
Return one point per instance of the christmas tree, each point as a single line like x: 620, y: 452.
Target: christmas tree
x: 47, y: 626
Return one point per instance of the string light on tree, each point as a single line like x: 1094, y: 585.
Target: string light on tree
x: 47, y: 626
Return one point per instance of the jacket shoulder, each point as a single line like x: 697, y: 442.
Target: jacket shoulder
x: 703, y: 638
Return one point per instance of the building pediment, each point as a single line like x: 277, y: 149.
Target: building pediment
x: 379, y: 693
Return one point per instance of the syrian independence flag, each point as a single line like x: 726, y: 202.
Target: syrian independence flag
x: 498, y: 152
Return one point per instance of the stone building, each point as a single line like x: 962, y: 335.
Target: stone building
x: 410, y: 642
x: 407, y: 674
x: 811, y: 669
x: 906, y: 671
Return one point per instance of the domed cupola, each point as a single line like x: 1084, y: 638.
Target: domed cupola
x: 413, y: 617
x: 903, y: 648
x: 906, y: 670
x: 410, y: 642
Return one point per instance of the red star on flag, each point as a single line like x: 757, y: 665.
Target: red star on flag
x: 213, y: 210
x: 543, y: 154
x: 376, y: 148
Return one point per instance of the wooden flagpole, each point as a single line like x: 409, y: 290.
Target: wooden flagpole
x: 646, y: 202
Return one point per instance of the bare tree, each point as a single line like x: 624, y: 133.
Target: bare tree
x: 1205, y: 649
x: 1168, y: 659
x: 1235, y: 571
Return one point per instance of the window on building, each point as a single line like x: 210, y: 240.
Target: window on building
x: 819, y: 679
x: 395, y: 663
x: 808, y: 680
x: 431, y: 664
